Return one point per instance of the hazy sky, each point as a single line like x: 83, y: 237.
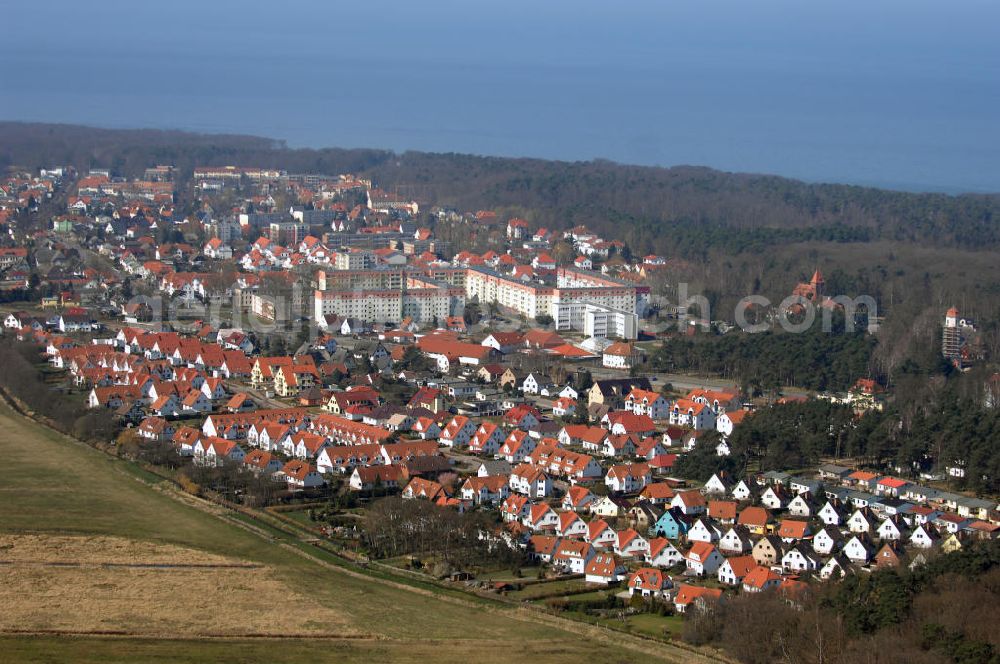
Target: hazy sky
x: 902, y: 93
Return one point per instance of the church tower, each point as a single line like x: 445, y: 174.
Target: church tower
x: 951, y: 338
x: 951, y: 318
x: 818, y: 286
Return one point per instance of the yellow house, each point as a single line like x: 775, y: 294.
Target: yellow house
x: 290, y: 380
x: 508, y: 377
x: 953, y: 543
x: 263, y: 371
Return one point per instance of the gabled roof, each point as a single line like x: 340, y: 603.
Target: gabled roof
x: 620, y: 348
x: 687, y: 594
x: 793, y: 529
x: 741, y: 565
x: 759, y: 577
x: 657, y: 491
x: 754, y: 516
x: 722, y: 509
x: 649, y: 578
x: 691, y: 498
x: 700, y: 551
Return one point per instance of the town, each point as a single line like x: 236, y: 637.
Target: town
x: 335, y: 353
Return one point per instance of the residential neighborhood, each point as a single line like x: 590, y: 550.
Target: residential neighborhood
x: 515, y: 386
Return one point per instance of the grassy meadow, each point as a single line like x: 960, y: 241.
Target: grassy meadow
x: 57, y: 487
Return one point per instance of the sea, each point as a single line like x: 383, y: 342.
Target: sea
x: 903, y: 94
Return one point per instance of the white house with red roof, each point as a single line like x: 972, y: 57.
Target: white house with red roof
x: 541, y: 516
x: 628, y: 478
x: 662, y: 553
x: 588, y: 437
x: 514, y: 508
x: 760, y: 579
x: 543, y: 261
x: 693, y: 414
x: 618, y: 446
x: 196, y: 402
x: 720, y: 401
x: 426, y: 429
x: 703, y: 559
x: 604, y: 568
x: 571, y: 525
x: 645, y: 402
x: 217, y: 249
x: 532, y: 481
x: 573, y: 555
x: 630, y: 544
x: 620, y: 355
x: 261, y: 462
x: 300, y: 474
x: 690, y: 502
x: 891, y: 486
x: 564, y: 407
x: 727, y: 422
x: 485, y: 490
x: 517, y: 229
x: 697, y: 596
x: 578, y: 498
x: 649, y: 582
x: 504, y: 342
x: 487, y: 439
x: 516, y: 447
x: 623, y: 422
x: 367, y: 478
x: 210, y: 451
x: 649, y: 448
x: 523, y: 417
x: 458, y: 432
x: 600, y: 534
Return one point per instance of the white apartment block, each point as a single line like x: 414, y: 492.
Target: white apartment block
x: 590, y: 302
x: 579, y: 300
x: 385, y: 296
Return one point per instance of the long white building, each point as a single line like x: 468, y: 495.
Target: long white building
x: 385, y: 296
x: 576, y: 300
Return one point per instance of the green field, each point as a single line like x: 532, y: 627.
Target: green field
x: 655, y: 625
x: 52, y: 485
x: 549, y: 588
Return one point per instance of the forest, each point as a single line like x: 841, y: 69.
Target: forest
x: 22, y: 379
x: 955, y: 429
x: 394, y: 527
x: 699, y: 207
x: 890, y: 616
x: 770, y: 360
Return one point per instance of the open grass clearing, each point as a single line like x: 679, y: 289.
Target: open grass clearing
x: 94, y: 584
x: 655, y: 625
x: 550, y: 588
x: 96, y: 650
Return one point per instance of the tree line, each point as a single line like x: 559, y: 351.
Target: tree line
x: 394, y: 527
x: 768, y: 361
x: 952, y: 430
x: 21, y: 377
x: 945, y: 610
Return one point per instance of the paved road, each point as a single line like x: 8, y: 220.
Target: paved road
x: 258, y: 396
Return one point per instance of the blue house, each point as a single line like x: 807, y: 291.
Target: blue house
x: 671, y: 525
